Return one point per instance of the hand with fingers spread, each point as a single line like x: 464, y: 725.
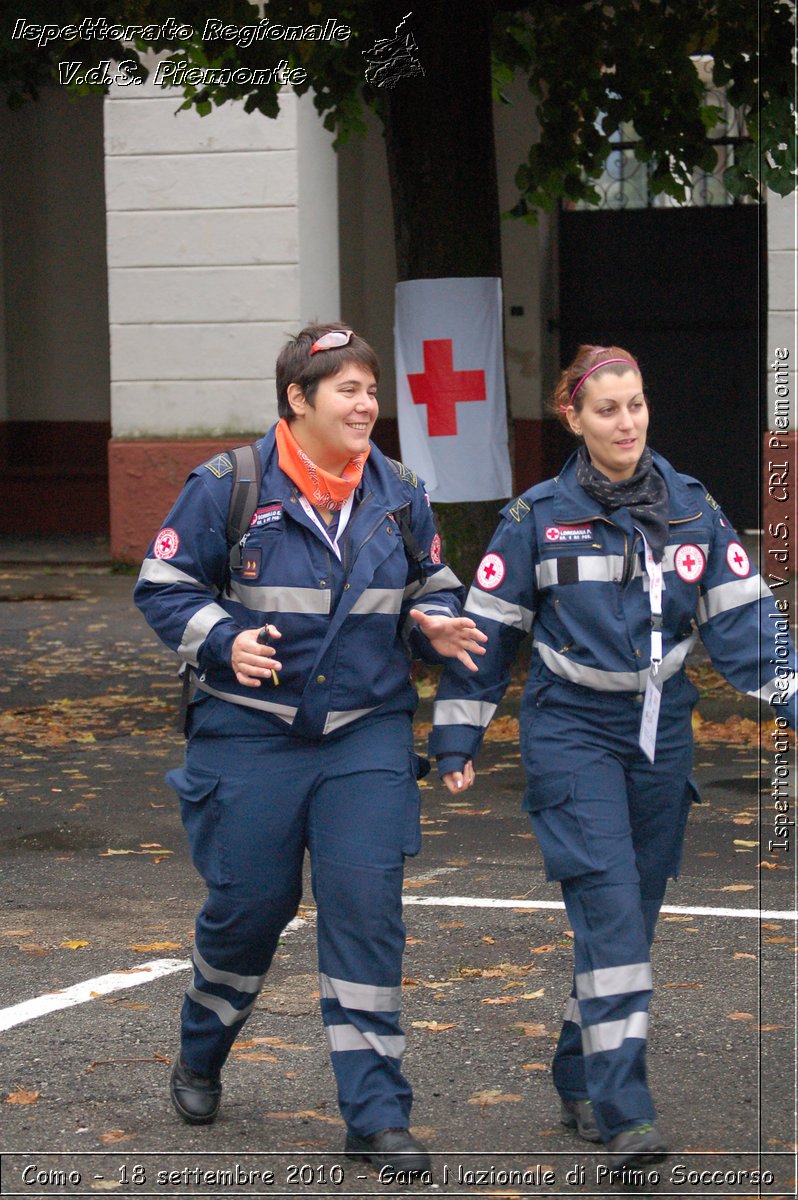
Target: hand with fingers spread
x: 453, y: 637
x: 253, y: 658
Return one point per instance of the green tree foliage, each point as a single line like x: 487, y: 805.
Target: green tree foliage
x: 593, y: 67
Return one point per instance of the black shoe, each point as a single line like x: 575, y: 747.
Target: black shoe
x: 396, y: 1148
x: 196, y: 1098
x: 578, y: 1115
x: 643, y: 1144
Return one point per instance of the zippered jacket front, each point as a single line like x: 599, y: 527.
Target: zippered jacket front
x: 573, y: 574
x: 346, y: 640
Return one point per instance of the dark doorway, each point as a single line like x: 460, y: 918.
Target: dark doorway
x: 680, y: 289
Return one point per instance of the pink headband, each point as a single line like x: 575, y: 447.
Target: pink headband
x: 598, y: 367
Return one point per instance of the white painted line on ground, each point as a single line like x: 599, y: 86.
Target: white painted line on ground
x: 101, y: 985
x: 478, y: 902
x: 117, y: 981
x: 81, y: 992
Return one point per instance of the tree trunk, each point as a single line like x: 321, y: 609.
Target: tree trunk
x: 442, y: 170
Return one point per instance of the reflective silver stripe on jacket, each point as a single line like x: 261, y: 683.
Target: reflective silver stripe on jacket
x: 591, y: 568
x: 776, y: 688
x: 614, y: 981
x: 155, y: 570
x: 284, y: 711
x: 463, y: 712
x: 483, y: 604
x: 378, y: 600
x: 225, y: 1011
x: 198, y: 629
x: 572, y: 1012
x: 731, y: 595
x: 337, y: 719
x: 612, y: 681
x: 317, y: 601
x: 241, y: 983
x: 347, y: 1037
x: 609, y: 1035
x: 362, y: 996
x: 444, y: 580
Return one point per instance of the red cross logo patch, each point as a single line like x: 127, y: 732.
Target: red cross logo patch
x: 490, y: 572
x: 166, y: 544
x: 689, y: 563
x: 737, y: 559
x: 435, y: 549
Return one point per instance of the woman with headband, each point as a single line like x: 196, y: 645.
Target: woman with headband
x: 615, y: 566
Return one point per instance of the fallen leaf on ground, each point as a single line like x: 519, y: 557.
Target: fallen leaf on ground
x: 532, y: 1029
x: 737, y: 887
x: 76, y: 945
x: 114, y: 1135
x: 500, y: 1000
x: 22, y: 1097
x: 434, y: 1026
x: 683, y: 985
x: 742, y: 954
x: 740, y: 1016
x: 308, y: 1114
x: 147, y: 947
x: 534, y: 1066
x: 493, y: 1096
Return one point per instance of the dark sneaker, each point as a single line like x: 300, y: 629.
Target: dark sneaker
x: 643, y: 1144
x: 578, y: 1115
x: 396, y: 1148
x: 196, y: 1098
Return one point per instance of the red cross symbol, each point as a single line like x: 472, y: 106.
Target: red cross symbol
x: 440, y: 387
x: 738, y: 558
x: 689, y: 562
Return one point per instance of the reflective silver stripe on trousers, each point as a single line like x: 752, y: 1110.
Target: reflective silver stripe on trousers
x: 378, y: 600
x: 614, y: 981
x: 611, y: 1034
x: 482, y: 604
x: 155, y: 570
x: 442, y: 581
x: 591, y: 568
x: 572, y: 1012
x: 362, y: 996
x: 242, y: 983
x: 337, y: 719
x: 463, y: 712
x: 284, y: 711
x: 224, y: 1011
x: 612, y: 681
x: 347, y: 1037
x: 731, y: 595
x: 315, y: 601
x: 198, y: 629
x: 776, y: 688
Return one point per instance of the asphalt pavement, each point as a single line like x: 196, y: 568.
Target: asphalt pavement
x: 98, y: 897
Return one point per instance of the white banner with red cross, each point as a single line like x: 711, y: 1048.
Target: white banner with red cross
x: 450, y: 387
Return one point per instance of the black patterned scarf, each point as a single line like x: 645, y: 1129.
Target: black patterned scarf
x: 644, y: 494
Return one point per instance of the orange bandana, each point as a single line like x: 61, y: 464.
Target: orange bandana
x: 322, y: 489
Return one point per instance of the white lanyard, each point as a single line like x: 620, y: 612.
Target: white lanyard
x: 343, y: 520
x: 651, y: 703
x: 655, y: 585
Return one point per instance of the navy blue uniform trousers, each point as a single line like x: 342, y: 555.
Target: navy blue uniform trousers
x: 251, y: 806
x: 611, y: 828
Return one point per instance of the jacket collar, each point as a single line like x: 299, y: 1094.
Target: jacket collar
x: 572, y: 504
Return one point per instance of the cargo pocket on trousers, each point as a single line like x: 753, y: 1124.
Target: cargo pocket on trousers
x: 555, y: 820
x: 199, y: 811
x: 411, y: 834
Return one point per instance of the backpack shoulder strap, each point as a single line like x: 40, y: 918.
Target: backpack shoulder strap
x: 247, y: 470
x: 413, y: 550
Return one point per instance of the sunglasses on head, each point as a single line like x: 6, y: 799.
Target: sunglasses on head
x: 332, y: 340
